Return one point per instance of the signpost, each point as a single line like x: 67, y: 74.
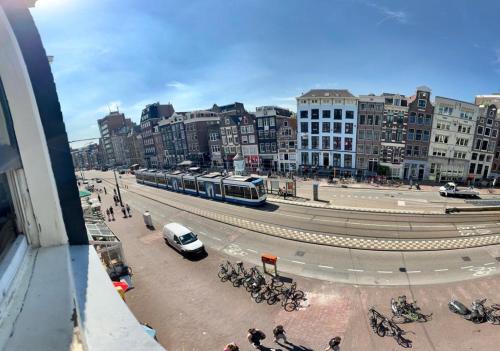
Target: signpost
x: 271, y: 260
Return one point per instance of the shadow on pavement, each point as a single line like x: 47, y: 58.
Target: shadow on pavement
x: 288, y: 347
x: 195, y: 258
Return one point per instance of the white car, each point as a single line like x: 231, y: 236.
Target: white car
x: 182, y: 239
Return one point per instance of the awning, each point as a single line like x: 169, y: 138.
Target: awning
x: 185, y: 163
x: 85, y: 193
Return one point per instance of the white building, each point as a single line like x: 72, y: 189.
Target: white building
x: 451, y: 139
x: 326, y: 131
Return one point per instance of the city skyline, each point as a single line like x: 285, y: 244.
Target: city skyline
x: 130, y: 56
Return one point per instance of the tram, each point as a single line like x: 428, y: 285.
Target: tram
x: 245, y: 190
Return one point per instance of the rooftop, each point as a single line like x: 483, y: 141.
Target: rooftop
x: 327, y: 93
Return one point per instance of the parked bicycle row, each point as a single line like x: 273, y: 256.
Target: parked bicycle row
x: 406, y: 312
x: 272, y: 290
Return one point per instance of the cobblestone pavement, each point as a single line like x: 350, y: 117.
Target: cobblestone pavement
x: 192, y: 310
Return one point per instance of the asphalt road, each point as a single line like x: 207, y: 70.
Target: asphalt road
x: 327, y: 263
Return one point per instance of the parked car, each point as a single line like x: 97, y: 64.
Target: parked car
x: 451, y: 189
x: 182, y: 239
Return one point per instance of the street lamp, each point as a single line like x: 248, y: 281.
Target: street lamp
x: 118, y: 188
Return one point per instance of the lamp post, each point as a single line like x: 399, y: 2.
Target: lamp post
x: 118, y: 188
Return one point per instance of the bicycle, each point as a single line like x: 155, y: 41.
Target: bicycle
x: 242, y: 274
x: 404, y: 312
x: 226, y: 271
x: 382, y: 326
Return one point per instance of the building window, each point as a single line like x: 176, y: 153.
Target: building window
x: 377, y: 120
x: 487, y: 131
x: 361, y: 134
x: 418, y: 135
x: 305, y: 143
x: 326, y: 113
x: 369, y: 134
x: 315, y: 142
x: 422, y: 103
x: 426, y: 135
x: 348, y: 128
x: 337, y: 143
x: 438, y: 138
x: 480, y: 130
x: 325, y: 127
x: 428, y: 119
x: 304, y: 127
x: 315, y: 128
x: 337, y: 127
x: 304, y: 158
x: 349, y: 114
x: 362, y: 119
x: 412, y: 118
x: 314, y: 113
x: 303, y: 114
x: 348, y: 144
x: 325, y: 142
x: 337, y: 114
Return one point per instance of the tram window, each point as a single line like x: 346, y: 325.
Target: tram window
x: 254, y: 194
x: 161, y: 180
x: 201, y: 186
x: 217, y: 189
x: 235, y: 191
x: 247, y: 193
x: 189, y: 184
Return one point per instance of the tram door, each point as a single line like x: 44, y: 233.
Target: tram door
x: 210, y: 190
x: 175, y: 184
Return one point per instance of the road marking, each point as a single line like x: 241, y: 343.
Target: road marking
x: 441, y: 270
x: 489, y: 263
x: 203, y: 233
x: 327, y: 267
x: 466, y: 267
x: 384, y: 272
x: 294, y: 216
x: 414, y: 272
x: 251, y: 250
x: 355, y: 270
x: 299, y: 262
x: 215, y: 238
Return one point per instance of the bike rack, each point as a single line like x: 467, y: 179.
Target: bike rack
x: 268, y: 259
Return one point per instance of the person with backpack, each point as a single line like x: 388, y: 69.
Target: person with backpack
x: 231, y: 347
x: 334, y: 344
x: 255, y: 336
x: 279, y: 334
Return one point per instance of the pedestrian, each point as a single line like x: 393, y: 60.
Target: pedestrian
x: 107, y: 213
x: 279, y: 333
x: 127, y: 207
x: 114, y: 190
x: 334, y: 344
x: 105, y: 192
x: 231, y: 347
x: 99, y: 197
x: 112, y: 212
x: 255, y: 336
x: 124, y: 212
x: 284, y: 193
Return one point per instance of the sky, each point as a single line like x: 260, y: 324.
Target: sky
x: 128, y: 53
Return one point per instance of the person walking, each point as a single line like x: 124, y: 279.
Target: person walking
x: 99, y: 197
x: 114, y: 191
x: 124, y: 212
x: 112, y: 212
x: 116, y: 200
x: 279, y: 334
x: 105, y: 192
x: 107, y: 213
x: 334, y: 344
x: 255, y: 336
x: 127, y: 207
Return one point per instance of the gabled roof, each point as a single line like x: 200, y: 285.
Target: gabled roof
x: 327, y: 93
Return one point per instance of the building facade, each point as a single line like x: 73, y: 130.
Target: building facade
x: 287, y: 146
x: 486, y: 101
x: 370, y: 113
x: 135, y: 147
x: 326, y: 136
x: 86, y: 157
x: 269, y: 119
x: 150, y: 117
x: 197, y: 136
x: 393, y: 134
x: 113, y: 128
x: 420, y: 114
x: 484, y: 144
x: 451, y: 139
x: 173, y: 135
x: 214, y: 144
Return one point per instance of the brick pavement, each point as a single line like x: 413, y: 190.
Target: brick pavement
x: 192, y: 310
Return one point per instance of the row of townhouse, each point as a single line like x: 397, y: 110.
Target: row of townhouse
x: 403, y: 137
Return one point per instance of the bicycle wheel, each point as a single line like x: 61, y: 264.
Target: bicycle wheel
x: 272, y: 299
x: 277, y: 283
x: 221, y: 273
x: 290, y: 306
x: 381, y: 330
x: 298, y: 295
x: 258, y: 298
x: 403, y: 341
x: 224, y: 278
x: 237, y: 282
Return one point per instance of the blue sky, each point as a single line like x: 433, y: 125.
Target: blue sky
x: 199, y: 52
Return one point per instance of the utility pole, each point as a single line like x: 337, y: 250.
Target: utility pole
x: 118, y: 188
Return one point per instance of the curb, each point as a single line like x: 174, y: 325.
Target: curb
x: 472, y: 209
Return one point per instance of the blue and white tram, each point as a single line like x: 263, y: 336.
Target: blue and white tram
x: 237, y: 189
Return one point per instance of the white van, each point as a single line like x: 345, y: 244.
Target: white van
x: 182, y: 239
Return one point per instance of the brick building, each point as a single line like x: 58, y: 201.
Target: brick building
x: 370, y: 113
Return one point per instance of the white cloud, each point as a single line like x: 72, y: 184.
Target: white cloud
x: 399, y: 16
x: 177, y: 85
